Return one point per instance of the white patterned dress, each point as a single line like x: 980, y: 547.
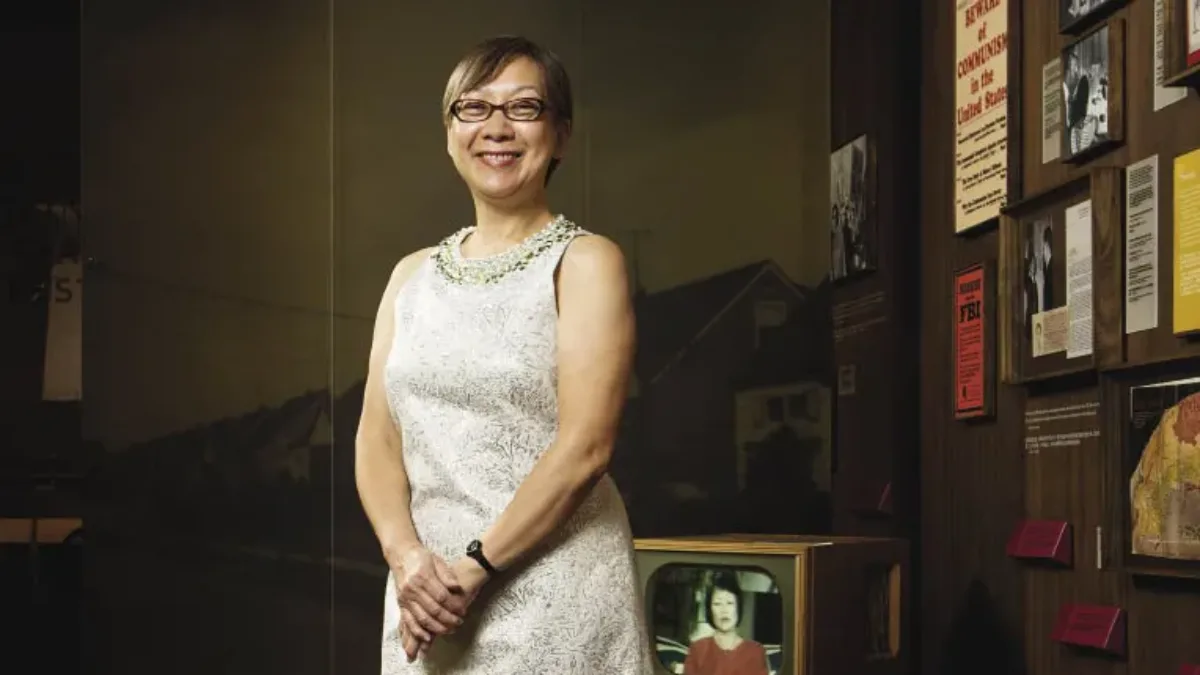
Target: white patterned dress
x: 471, y: 380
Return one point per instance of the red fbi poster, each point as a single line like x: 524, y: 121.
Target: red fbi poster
x: 970, y: 342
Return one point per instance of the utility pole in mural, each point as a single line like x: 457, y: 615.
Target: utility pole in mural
x: 634, y: 236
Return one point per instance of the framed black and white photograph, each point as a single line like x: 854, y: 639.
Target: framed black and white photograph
x: 1093, y: 93
x: 852, y: 210
x: 1038, y: 283
x: 1075, y: 16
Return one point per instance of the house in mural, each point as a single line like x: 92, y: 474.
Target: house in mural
x: 732, y: 389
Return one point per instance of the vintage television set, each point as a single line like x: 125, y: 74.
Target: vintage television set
x: 777, y: 604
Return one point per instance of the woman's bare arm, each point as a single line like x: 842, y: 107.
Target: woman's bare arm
x: 595, y: 354
x: 378, y: 465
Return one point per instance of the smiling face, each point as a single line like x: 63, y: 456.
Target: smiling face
x: 501, y: 159
x: 724, y: 611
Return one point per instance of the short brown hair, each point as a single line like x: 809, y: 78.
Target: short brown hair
x: 483, y: 62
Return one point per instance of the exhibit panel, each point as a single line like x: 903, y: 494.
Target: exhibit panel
x: 204, y: 177
x: 1074, y: 601
x: 1097, y: 311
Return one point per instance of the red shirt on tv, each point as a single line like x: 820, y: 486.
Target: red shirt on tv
x: 704, y: 657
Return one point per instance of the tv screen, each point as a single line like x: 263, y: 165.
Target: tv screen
x: 716, y: 619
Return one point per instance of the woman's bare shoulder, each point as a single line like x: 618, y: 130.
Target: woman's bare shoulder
x: 594, y: 255
x: 404, y: 269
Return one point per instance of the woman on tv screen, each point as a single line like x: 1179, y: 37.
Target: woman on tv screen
x: 725, y: 652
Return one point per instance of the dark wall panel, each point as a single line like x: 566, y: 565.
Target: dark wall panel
x: 971, y: 474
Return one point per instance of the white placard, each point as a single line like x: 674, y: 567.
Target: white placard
x: 1141, y: 245
x: 1079, y: 279
x: 1052, y: 110
x: 1163, y: 96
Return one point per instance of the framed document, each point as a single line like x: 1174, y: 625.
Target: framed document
x: 974, y: 340
x: 853, y: 242
x: 1061, y: 275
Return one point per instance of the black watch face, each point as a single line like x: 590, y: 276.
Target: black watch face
x: 473, y: 547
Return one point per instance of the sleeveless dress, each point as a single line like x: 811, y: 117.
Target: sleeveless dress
x: 471, y: 382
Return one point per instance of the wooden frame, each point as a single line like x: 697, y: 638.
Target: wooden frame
x: 1074, y: 26
x: 1177, y: 71
x: 869, y: 227
x: 1114, y: 113
x: 1016, y: 125
x: 832, y: 576
x: 1103, y: 186
x: 989, y: 318
x: 1116, y: 404
x: 1108, y: 266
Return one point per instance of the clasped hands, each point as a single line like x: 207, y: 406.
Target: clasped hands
x: 433, y: 596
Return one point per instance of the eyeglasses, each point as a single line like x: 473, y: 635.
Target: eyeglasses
x: 517, y: 110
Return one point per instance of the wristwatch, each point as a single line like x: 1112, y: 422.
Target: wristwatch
x: 475, y: 552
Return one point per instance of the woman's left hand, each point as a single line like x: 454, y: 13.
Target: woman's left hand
x: 471, y: 578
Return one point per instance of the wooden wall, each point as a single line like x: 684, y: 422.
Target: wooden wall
x: 983, y: 612
x: 875, y: 56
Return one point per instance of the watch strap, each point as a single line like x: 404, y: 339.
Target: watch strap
x: 475, y: 552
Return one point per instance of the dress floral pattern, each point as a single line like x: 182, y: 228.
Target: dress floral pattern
x: 471, y: 381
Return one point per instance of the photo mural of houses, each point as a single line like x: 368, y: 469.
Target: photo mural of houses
x: 728, y: 427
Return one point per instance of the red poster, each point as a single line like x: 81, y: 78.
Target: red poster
x: 970, y: 343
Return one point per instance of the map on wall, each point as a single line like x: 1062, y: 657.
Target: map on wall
x: 1164, y: 489
x: 981, y: 111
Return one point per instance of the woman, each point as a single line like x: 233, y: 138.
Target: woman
x: 496, y: 379
x: 725, y: 652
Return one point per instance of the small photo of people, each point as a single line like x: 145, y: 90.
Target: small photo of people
x: 717, y: 620
x: 851, y: 241
x: 1085, y: 93
x: 1038, y: 282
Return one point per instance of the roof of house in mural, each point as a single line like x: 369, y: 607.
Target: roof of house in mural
x: 672, y: 320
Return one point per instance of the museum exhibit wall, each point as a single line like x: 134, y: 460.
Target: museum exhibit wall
x: 1057, y: 449
x: 251, y: 174
x: 874, y: 311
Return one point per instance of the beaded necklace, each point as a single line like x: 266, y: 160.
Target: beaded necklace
x: 449, y: 261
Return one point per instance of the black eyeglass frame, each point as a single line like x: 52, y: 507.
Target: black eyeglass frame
x: 505, y: 108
